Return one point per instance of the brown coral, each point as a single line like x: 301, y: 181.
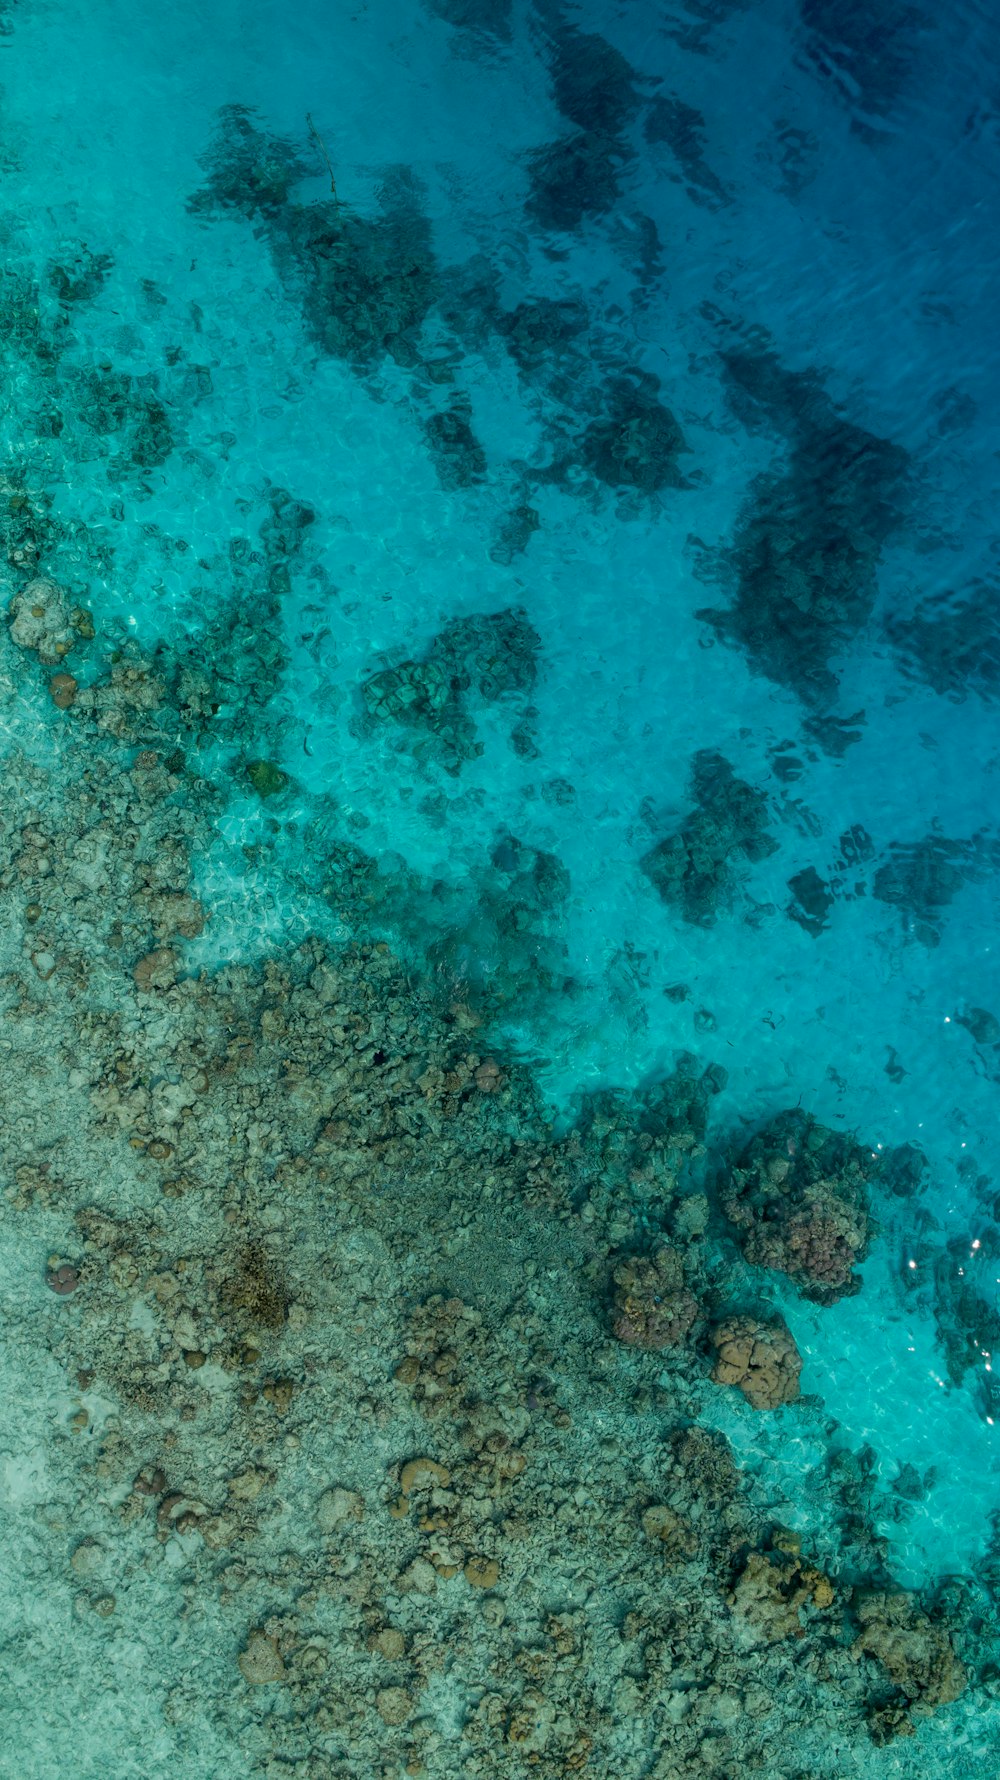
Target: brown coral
x: 760, y: 1359
x: 917, y: 1655
x: 771, y: 1591
x: 797, y: 1194
x: 652, y: 1305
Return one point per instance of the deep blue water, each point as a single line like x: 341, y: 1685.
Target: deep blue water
x: 692, y: 376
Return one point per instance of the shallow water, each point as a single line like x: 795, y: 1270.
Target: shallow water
x: 751, y: 326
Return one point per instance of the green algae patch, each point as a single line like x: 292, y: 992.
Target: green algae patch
x: 267, y: 779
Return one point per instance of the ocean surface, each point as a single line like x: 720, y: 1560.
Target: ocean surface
x: 565, y: 428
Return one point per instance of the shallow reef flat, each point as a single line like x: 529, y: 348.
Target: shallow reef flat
x: 359, y: 1412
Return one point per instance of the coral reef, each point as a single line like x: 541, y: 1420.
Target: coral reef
x: 798, y: 1198
x: 760, y: 1358
x: 637, y: 444
x: 487, y: 657
x: 696, y: 869
x: 344, y: 1288
x: 355, y: 1330
x: 915, y: 1655
x: 652, y: 1305
x: 810, y: 537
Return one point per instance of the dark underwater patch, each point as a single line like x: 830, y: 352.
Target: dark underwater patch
x: 572, y: 180
x: 364, y: 284
x: 577, y: 177
x: 812, y: 900
x: 458, y: 456
x: 637, y: 442
x: 593, y: 84
x: 951, y: 642
x: 696, y: 869
x: 485, y: 657
x: 681, y: 128
x: 809, y: 538
x: 864, y: 53
x: 479, y: 18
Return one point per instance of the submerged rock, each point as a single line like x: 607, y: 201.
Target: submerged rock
x: 638, y: 443
x: 261, y: 1662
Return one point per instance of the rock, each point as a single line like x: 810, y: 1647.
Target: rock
x: 246, y: 1485
x: 219, y: 1531
x: 88, y: 1558
x: 174, y: 913
x: 419, y: 1578
x: 157, y: 970
x: 261, y: 1662
x: 760, y: 1359
x: 393, y: 1705
x: 391, y: 1644
x: 39, y: 621
x: 887, y: 1722
x: 670, y: 1531
x: 336, y: 1507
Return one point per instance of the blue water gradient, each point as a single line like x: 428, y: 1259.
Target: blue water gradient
x: 777, y: 227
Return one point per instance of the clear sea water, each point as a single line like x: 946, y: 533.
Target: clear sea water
x: 815, y: 182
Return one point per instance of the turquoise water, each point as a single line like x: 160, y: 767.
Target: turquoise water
x: 486, y: 417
